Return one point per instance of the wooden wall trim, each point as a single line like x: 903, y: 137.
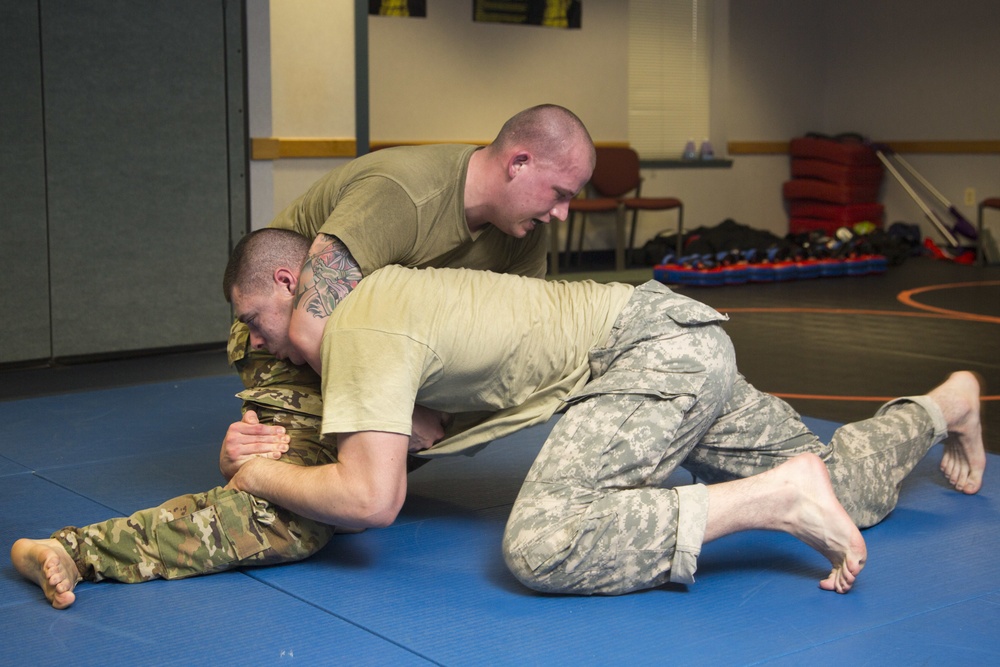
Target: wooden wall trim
x: 375, y: 145
x: 758, y: 148
x: 276, y: 148
x: 946, y: 147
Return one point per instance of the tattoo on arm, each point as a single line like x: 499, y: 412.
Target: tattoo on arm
x: 327, y: 277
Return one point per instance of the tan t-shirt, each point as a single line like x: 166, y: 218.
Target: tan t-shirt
x: 499, y: 352
x: 405, y: 206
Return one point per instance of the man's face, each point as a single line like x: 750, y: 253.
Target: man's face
x: 267, y: 315
x: 541, y: 190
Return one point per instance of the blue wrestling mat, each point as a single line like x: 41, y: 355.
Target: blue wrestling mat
x: 433, y: 589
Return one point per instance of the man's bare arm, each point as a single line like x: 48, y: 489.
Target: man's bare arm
x: 364, y: 489
x: 328, y: 275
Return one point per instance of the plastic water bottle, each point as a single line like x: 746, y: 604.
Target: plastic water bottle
x: 706, y: 152
x: 689, y: 151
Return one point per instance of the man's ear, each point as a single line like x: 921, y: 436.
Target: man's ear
x: 517, y: 162
x: 286, y: 280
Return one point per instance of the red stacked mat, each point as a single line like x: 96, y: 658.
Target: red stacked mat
x: 835, y: 183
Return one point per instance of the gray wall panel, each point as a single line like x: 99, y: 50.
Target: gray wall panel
x: 138, y: 173
x: 24, y: 301
x: 239, y: 167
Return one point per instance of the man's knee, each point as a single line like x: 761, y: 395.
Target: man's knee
x: 564, y: 555
x: 539, y: 567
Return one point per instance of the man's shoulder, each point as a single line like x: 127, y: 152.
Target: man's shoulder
x: 402, y: 164
x: 412, y: 160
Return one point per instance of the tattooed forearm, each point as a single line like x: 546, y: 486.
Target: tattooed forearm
x: 327, y: 276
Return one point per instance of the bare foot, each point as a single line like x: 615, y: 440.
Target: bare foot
x: 819, y: 520
x: 964, y: 457
x: 46, y: 563
x: 797, y: 498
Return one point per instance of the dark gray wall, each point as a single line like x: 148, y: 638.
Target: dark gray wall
x: 24, y: 300
x: 144, y: 181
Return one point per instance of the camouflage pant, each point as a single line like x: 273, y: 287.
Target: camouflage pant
x: 593, y: 515
x: 220, y: 529
x: 205, y: 532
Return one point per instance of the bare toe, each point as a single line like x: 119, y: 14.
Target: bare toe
x: 46, y: 563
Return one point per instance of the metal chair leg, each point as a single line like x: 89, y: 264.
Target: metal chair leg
x: 979, y: 237
x: 579, y: 245
x: 680, y: 231
x: 620, y: 239
x: 630, y: 256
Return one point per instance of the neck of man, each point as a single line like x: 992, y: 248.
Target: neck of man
x: 478, y: 195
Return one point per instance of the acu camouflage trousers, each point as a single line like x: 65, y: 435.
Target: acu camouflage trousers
x: 594, y: 515
x: 220, y: 529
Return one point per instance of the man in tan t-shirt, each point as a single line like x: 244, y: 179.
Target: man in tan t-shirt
x: 648, y: 382
x: 438, y: 205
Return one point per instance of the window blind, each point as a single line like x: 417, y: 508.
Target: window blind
x: 669, y: 72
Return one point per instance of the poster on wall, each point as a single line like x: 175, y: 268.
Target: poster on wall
x: 413, y: 8
x: 547, y: 13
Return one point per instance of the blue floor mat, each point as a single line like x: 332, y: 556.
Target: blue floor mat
x: 433, y: 589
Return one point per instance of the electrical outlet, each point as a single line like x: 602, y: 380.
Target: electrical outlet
x: 970, y: 196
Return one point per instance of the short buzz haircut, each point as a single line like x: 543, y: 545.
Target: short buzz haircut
x: 258, y: 255
x: 547, y: 129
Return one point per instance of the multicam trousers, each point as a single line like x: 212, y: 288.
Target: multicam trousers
x: 205, y: 532
x: 594, y: 517
x: 220, y: 529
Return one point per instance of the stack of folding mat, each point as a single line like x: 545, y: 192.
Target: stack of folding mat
x: 835, y: 183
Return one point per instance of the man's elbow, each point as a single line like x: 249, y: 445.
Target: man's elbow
x: 379, y: 508
x: 382, y: 519
x: 378, y: 516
